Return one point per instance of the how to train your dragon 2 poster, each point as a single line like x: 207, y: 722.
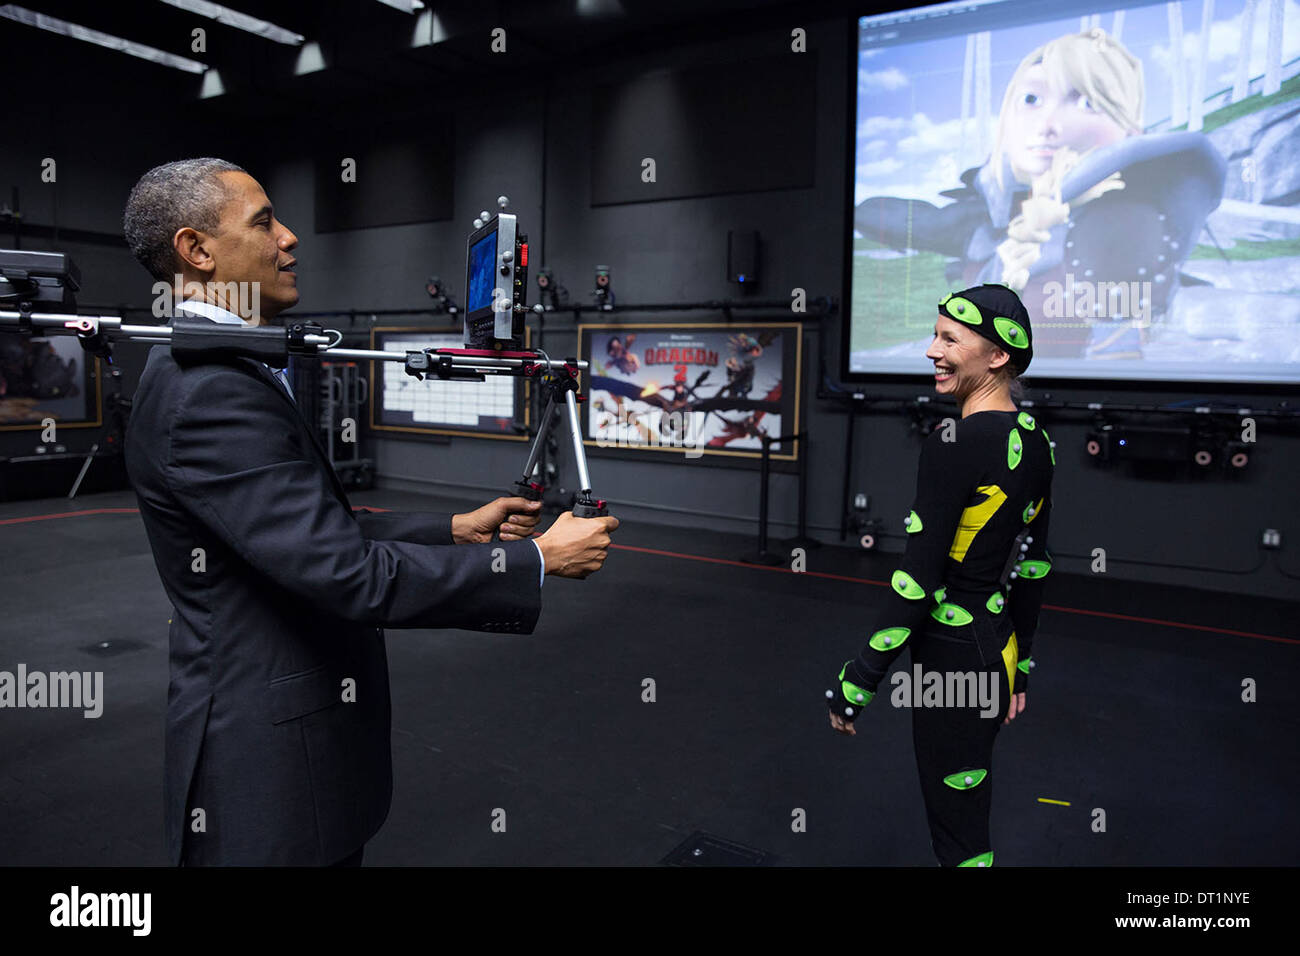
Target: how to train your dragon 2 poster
x: 693, y: 390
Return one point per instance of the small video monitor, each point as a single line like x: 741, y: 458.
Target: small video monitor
x: 496, y: 277
x: 40, y: 278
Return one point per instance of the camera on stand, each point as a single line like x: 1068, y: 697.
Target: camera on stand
x: 496, y: 275
x: 496, y: 270
x: 440, y: 293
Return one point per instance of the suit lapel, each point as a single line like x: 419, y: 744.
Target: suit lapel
x: 322, y: 459
x: 265, y: 374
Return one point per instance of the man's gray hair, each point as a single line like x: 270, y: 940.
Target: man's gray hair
x: 187, y: 192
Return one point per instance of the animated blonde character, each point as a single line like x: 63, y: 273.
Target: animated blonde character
x: 1078, y: 210
x: 1069, y: 97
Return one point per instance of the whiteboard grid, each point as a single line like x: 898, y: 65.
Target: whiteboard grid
x: 435, y: 402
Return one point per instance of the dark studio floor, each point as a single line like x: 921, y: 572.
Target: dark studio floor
x: 1129, y: 712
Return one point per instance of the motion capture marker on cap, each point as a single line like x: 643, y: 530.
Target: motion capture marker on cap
x: 1011, y: 332
x: 1008, y: 326
x: 962, y: 309
x: 848, y: 711
x: 830, y: 695
x: 860, y: 698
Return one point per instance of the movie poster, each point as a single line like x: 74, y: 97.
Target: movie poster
x: 692, y: 390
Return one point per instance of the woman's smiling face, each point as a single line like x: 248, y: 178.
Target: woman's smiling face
x: 961, y: 358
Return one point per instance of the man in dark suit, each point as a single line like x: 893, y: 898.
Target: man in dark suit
x: 278, y: 745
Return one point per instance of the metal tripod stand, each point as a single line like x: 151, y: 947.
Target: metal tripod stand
x: 565, y: 381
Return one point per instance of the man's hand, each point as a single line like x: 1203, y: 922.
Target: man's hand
x: 576, y: 547
x: 515, y: 518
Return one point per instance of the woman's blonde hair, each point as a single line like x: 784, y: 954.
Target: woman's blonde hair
x: 1095, y: 64
x: 1016, y: 387
x: 1008, y: 374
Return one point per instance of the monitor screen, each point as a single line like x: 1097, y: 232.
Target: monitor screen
x: 1126, y: 168
x: 47, y: 378
x: 482, y: 274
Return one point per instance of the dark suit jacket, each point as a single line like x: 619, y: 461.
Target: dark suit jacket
x: 280, y: 592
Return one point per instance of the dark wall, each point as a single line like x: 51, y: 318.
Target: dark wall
x: 1203, y: 533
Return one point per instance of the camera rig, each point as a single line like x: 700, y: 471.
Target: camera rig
x: 30, y: 280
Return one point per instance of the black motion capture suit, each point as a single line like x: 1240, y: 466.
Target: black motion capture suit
x: 966, y: 595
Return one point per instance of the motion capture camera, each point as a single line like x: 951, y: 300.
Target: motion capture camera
x: 550, y: 293
x: 440, y: 293
x: 496, y: 275
x: 603, y: 293
x: 38, y: 278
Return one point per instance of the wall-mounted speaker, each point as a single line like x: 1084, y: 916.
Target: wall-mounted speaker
x: 742, y: 257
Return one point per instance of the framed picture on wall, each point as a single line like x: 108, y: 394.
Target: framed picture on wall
x: 42, y: 379
x: 706, y: 391
x: 404, y: 406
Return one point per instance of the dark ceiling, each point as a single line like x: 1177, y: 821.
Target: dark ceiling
x: 366, y: 46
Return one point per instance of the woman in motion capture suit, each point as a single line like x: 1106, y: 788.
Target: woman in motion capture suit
x: 966, y: 594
